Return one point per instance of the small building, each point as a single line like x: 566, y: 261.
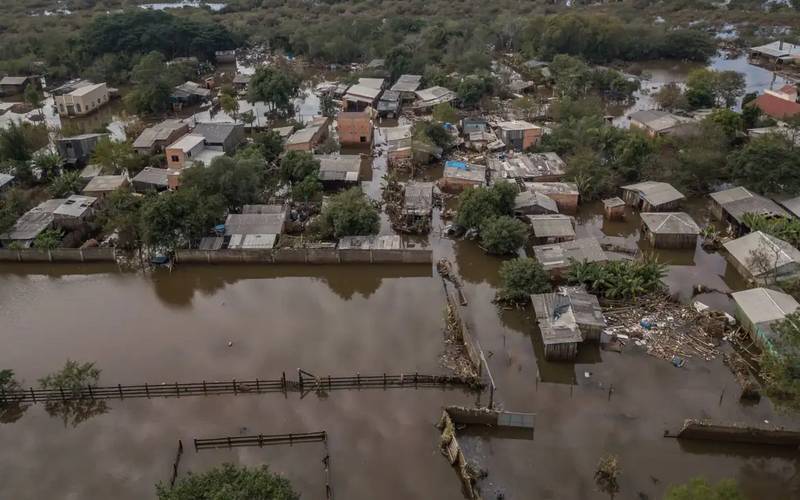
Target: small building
x: 552, y: 228
x: 530, y: 167
x: 519, y: 135
x: 77, y: 150
x: 473, y: 124
x: 354, y: 128
x: 614, y: 208
x: 372, y: 242
x: 763, y: 258
x: 74, y: 211
x: 376, y: 64
x: 731, y: 205
x: 258, y: 229
x: 12, y: 85
x: 777, y: 52
x: 792, y: 205
x: 190, y: 150
x: 757, y: 309
x: 565, y: 194
x: 241, y: 81
x: 659, y: 123
x: 154, y: 139
x: 389, y: 104
x: 669, y: 229
x: 284, y: 132
x: 188, y: 94
x: 91, y: 171
x: 776, y: 107
x: 6, y: 181
x: 103, y: 185
x: 556, y: 257
x: 373, y: 83
x: 225, y: 56
x: 459, y: 175
x: 533, y: 203
x: 339, y: 170
x: 80, y: 97
x: 360, y: 97
x: 407, y: 86
x: 32, y: 223
x: 151, y: 179
x: 651, y: 196
x: 567, y: 318
x: 430, y: 97
x: 418, y: 201
x: 221, y: 136
x: 306, y: 139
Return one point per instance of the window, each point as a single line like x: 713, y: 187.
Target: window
x: 363, y: 139
x: 77, y: 107
x: 174, y: 158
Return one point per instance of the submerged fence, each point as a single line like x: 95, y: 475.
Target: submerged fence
x: 305, y: 383
x: 306, y: 256
x: 58, y: 255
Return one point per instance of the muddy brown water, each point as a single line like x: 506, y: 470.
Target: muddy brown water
x: 165, y: 327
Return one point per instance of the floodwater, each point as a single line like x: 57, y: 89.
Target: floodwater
x: 166, y: 327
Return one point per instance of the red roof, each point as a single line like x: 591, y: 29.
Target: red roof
x: 776, y: 107
x: 789, y: 89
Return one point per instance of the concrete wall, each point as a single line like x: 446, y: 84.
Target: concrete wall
x: 57, y: 255
x: 306, y: 256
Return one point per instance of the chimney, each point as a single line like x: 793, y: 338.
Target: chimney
x: 780, y: 45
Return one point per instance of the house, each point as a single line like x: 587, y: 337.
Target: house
x: 763, y: 258
x: 373, y: 83
x: 731, y: 205
x: 354, y: 128
x: 757, y: 309
x: 777, y: 52
x: 669, y: 229
x: 225, y: 56
x: 80, y: 97
x: 257, y: 229
x: 407, y: 86
x: 103, y: 185
x: 77, y: 150
x: 555, y: 258
x: 389, y: 104
x: 533, y: 203
x: 519, y: 135
x: 565, y: 194
x: 154, y: 139
x: 360, y: 97
x: 32, y: 223
x: 306, y: 139
x: 338, y: 170
x: 74, y: 211
x: 151, y: 179
x: 188, y: 94
x: 614, y: 208
x: 6, y: 181
x: 459, y: 175
x: 90, y: 171
x: 376, y: 64
x: 430, y: 97
x: 240, y: 82
x: 551, y: 228
x: 418, y: 201
x: 788, y: 92
x: 189, y: 150
x: 776, y: 107
x: 531, y: 167
x: 12, y: 85
x: 660, y: 123
x: 567, y: 318
x: 284, y: 132
x: 480, y: 141
x: 792, y: 205
x: 221, y: 136
x: 651, y: 196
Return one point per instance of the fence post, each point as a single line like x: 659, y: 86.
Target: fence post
x: 119, y: 388
x: 91, y: 394
x: 258, y: 388
x: 33, y: 395
x: 260, y: 440
x: 62, y: 394
x: 384, y: 380
x: 358, y: 380
x: 147, y: 391
x: 290, y: 439
x: 416, y: 374
x: 195, y: 444
x: 283, y: 383
x: 234, y: 387
x: 330, y: 385
x: 177, y: 390
x: 229, y: 442
x: 205, y: 390
x: 300, y: 376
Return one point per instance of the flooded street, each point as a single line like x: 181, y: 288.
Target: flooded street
x: 339, y: 320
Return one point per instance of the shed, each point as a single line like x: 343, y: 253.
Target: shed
x: 418, y: 200
x: 407, y: 85
x: 731, y: 205
x: 651, y: 196
x: 567, y: 318
x: 307, y: 138
x: 555, y: 258
x: 102, y: 185
x: 151, y: 179
x: 792, y: 205
x: 338, y: 170
x: 519, y: 135
x: 530, y: 167
x: 389, y: 104
x: 669, y: 229
x: 552, y: 228
x: 31, y: 224
x: 359, y: 97
x: 77, y: 149
x: 75, y: 207
x: 763, y: 258
x: 565, y: 194
x: 659, y: 123
x: 6, y: 181
x: 254, y: 230
x: 154, y: 139
x: 386, y: 242
x: 427, y: 98
x: 533, y: 203
x: 218, y: 135
x: 758, y: 308
x: 614, y: 208
x: 459, y: 175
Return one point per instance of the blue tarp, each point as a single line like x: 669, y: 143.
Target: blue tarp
x: 456, y: 164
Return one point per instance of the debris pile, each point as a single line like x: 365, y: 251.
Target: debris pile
x: 668, y: 330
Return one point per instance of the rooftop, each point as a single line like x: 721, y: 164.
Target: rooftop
x: 562, y: 314
x: 105, y: 183
x: 154, y: 176
x: 215, y: 132
x: 656, y: 120
x: 158, y: 132
x: 552, y: 226
x: 792, y: 205
x: 193, y: 88
x: 461, y: 170
x: 558, y: 255
x: 776, y: 107
x: 388, y: 242
x: 304, y: 135
x: 533, y: 198
x: 362, y: 92
x: 28, y: 226
x: 435, y: 95
x: 516, y: 125
x: 670, y: 223
x: 755, y: 204
x: 763, y: 305
x: 86, y: 89
x: 778, y: 48
x: 5, y: 179
x: 254, y: 223
x: 14, y: 80
x: 733, y: 194
x: 75, y: 206
x: 655, y: 193
x: 339, y: 167
x: 407, y: 83
x: 616, y: 201
x: 746, y: 248
x: 418, y: 198
x: 374, y: 83
x: 253, y: 241
x: 527, y: 166
x: 263, y: 209
x: 553, y: 187
x: 187, y: 142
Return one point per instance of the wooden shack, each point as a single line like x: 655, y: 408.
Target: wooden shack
x: 614, y: 208
x: 731, y: 205
x: 650, y: 196
x: 565, y: 194
x: 567, y: 318
x: 552, y: 228
x: 669, y: 229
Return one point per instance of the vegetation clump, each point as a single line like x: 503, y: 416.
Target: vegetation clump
x: 231, y: 482
x: 520, y: 278
x: 700, y: 489
x: 780, y: 363
x: 619, y: 279
x: 349, y: 213
x: 71, y: 381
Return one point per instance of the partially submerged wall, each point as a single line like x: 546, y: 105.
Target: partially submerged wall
x: 57, y: 255
x: 452, y: 450
x: 734, y: 433
x: 306, y: 256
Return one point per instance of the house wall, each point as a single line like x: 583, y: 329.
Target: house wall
x: 70, y: 105
x: 671, y: 240
x: 355, y: 130
x: 665, y: 207
x: 561, y: 352
x: 614, y: 213
x: 566, y: 202
x: 455, y: 185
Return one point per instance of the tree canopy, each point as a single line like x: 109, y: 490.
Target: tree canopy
x: 277, y: 86
x: 520, y: 278
x: 231, y: 482
x: 478, y: 204
x: 349, y: 213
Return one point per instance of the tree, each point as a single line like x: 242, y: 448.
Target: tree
x: 229, y: 104
x: 729, y: 121
x: 69, y: 182
x: 503, y: 235
x: 10, y: 410
x: 308, y: 188
x: 606, y: 475
x: 48, y: 163
x: 48, y: 239
x: 327, y: 106
x: 477, y: 204
x: 780, y: 362
x: 122, y: 214
x: 15, y: 144
x: 113, y: 156
x: 229, y: 481
x: 520, y: 278
x: 671, y: 97
x: 444, y: 113
x: 619, y: 279
x: 432, y: 133
x: 248, y: 117
x: 179, y: 218
x: 277, y: 86
x: 34, y: 97
x: 269, y: 144
x: 473, y: 88
x: 154, y: 81
x: 767, y: 164
x: 238, y: 181
x: 72, y: 380
x: 700, y: 489
x: 296, y: 166
x: 707, y: 88
x: 349, y: 213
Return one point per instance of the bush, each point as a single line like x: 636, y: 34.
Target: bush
x: 618, y: 279
x: 349, y: 213
x: 477, y: 204
x: 780, y: 364
x: 700, y: 489
x: 503, y: 235
x: 520, y: 278
x: 229, y: 481
x: 66, y: 184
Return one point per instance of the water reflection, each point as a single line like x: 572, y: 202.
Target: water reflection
x: 76, y: 411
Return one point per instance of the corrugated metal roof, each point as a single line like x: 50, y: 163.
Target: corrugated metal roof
x: 254, y: 224
x: 655, y: 193
x: 670, y: 223
x: 532, y: 198
x: 779, y: 252
x: 387, y: 242
x: 552, y: 226
x: 558, y: 255
x: 763, y: 305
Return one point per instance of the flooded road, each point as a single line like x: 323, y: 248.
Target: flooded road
x: 166, y: 327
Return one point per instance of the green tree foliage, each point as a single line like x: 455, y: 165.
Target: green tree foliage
x: 780, y: 363
x: 238, y: 181
x: 16, y: 143
x: 229, y: 481
x: 122, y: 214
x: 780, y: 227
x: 671, y: 97
x: 767, y: 164
x: 432, y: 133
x: 113, y: 156
x: 269, y: 144
x: 72, y: 380
x: 274, y: 85
x: 477, y: 204
x: 619, y: 279
x: 179, y: 218
x: 69, y: 182
x: 574, y: 79
x: 141, y: 31
x: 49, y: 164
x: 10, y: 410
x: 503, y: 235
x: 444, y: 113
x: 707, y: 88
x: 12, y: 206
x: 349, y: 213
x: 730, y: 122
x: 296, y: 166
x: 520, y: 278
x: 229, y: 105
x: 307, y: 189
x: 48, y: 239
x: 153, y: 81
x: 34, y: 97
x: 700, y: 489
x: 327, y: 106
x: 473, y: 88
